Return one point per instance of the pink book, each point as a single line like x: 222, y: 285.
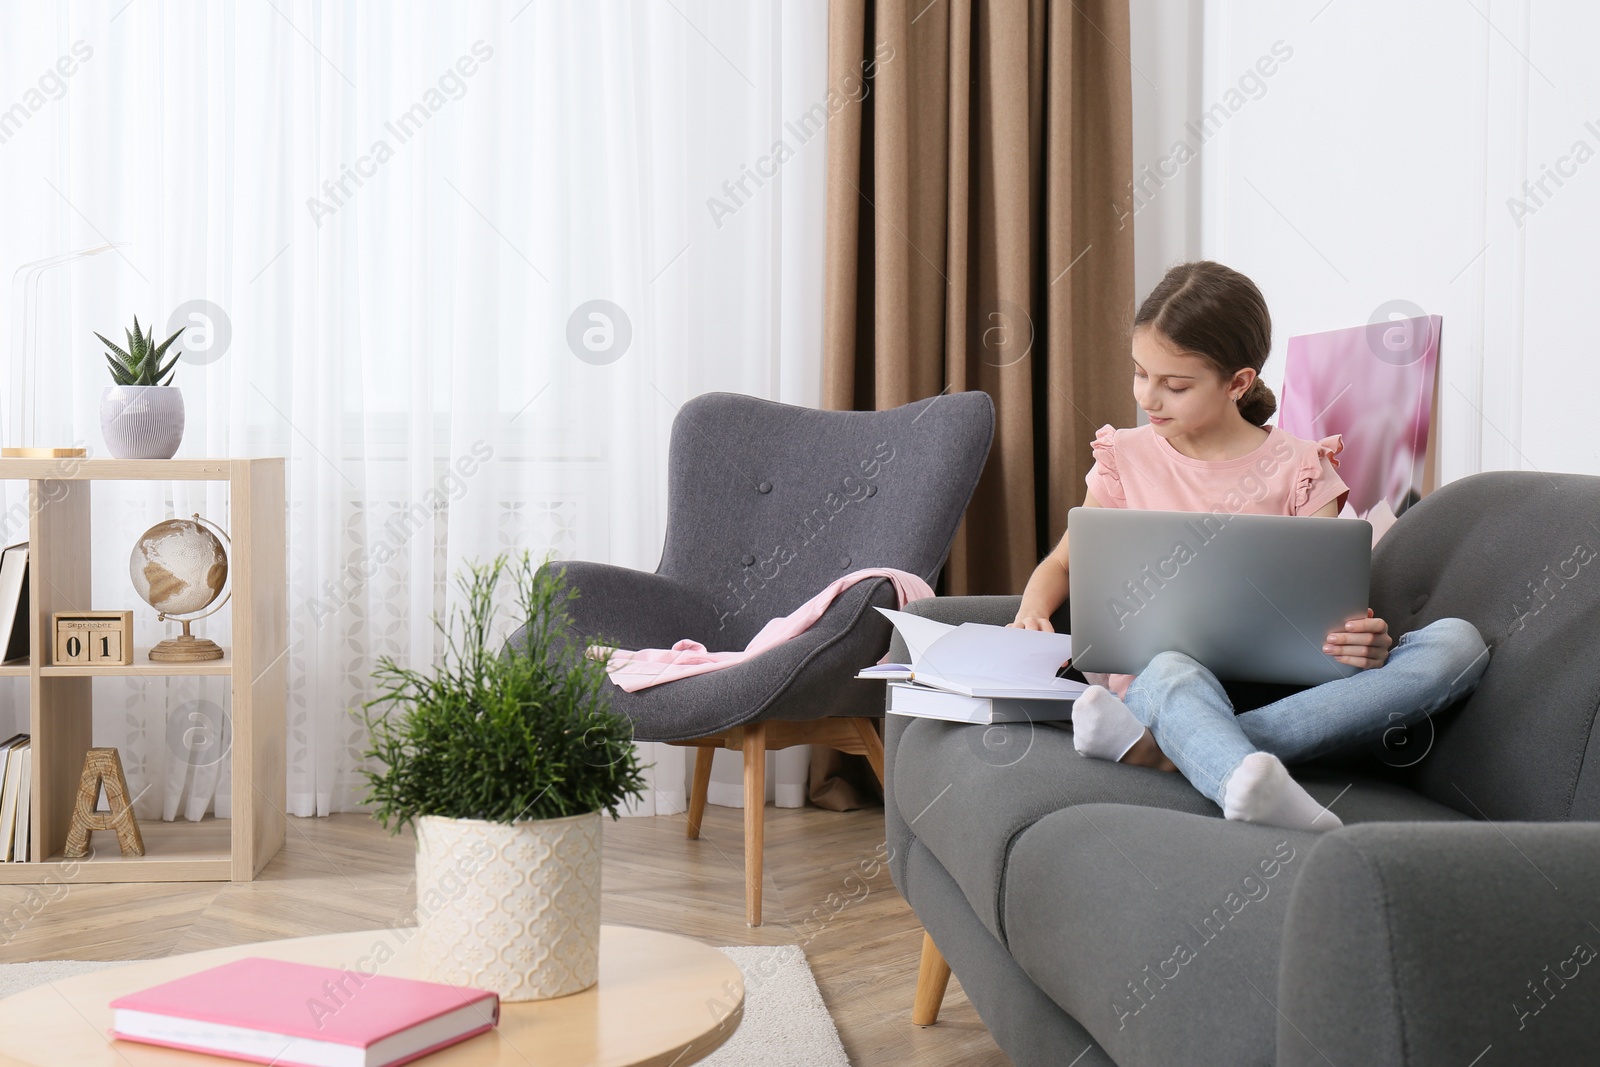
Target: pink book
x: 297, y: 1015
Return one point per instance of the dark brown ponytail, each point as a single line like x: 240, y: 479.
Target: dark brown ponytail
x: 1218, y: 314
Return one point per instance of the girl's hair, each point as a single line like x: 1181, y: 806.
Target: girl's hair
x: 1219, y: 315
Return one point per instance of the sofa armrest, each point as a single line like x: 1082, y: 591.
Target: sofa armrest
x: 1423, y: 943
x: 636, y: 609
x: 995, y: 610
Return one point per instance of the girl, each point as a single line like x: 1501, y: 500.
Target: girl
x: 1199, y: 341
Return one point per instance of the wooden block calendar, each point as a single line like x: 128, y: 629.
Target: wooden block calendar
x: 88, y: 638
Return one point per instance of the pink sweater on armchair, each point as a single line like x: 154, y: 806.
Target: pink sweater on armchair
x: 641, y: 669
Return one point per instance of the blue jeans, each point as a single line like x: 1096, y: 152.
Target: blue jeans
x: 1192, y: 718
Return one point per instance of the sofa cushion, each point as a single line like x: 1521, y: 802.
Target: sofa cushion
x: 1151, y: 928
x: 968, y: 791
x: 1160, y: 931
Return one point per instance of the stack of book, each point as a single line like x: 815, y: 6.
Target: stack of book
x: 976, y: 673
x: 16, y: 785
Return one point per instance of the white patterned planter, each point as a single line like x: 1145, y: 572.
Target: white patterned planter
x: 513, y: 908
x: 142, y: 421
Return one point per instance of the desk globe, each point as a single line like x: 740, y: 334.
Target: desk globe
x: 179, y: 567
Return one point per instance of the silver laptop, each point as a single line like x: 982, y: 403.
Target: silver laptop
x: 1251, y: 597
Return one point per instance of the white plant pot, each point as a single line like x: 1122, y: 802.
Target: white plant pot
x: 510, y: 907
x: 142, y: 421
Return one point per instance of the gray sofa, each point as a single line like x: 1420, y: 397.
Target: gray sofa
x: 1097, y: 913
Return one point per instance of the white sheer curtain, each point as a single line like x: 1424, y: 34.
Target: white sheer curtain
x: 401, y: 216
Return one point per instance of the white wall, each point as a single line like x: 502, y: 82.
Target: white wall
x: 1375, y: 163
x: 1166, y: 51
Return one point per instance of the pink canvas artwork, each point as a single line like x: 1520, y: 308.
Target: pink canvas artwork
x: 1374, y: 385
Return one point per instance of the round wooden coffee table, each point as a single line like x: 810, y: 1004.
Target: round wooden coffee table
x: 662, y: 999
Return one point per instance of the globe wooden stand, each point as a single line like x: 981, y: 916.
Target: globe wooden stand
x: 185, y: 648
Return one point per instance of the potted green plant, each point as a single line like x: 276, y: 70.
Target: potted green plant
x: 141, y: 413
x: 503, y: 759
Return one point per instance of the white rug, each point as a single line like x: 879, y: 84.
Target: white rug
x: 785, y: 1022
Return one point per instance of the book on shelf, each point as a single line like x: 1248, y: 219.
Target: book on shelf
x: 979, y: 660
x: 926, y: 702
x: 15, y: 753
x: 299, y: 1015
x: 19, y: 845
x: 14, y: 603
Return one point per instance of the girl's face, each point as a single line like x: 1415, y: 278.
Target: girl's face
x: 1181, y: 393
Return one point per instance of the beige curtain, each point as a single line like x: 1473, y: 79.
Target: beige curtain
x: 980, y: 236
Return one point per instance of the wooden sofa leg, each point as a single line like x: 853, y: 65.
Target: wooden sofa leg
x: 932, y: 977
x: 755, y: 802
x: 702, y: 785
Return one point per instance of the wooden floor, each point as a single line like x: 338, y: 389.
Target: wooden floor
x: 345, y: 873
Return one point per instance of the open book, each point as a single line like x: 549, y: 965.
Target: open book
x: 979, y: 660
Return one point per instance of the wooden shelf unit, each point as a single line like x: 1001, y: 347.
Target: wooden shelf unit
x: 59, y: 698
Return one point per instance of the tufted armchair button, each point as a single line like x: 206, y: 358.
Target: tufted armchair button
x: 872, y: 490
x: 747, y: 559
x: 844, y: 561
x: 1417, y: 604
x: 764, y: 487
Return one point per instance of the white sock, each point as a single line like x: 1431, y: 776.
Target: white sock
x: 1261, y: 791
x: 1102, y: 725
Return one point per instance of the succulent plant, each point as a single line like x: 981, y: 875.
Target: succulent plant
x: 140, y: 363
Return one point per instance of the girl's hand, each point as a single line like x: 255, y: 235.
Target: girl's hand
x: 1031, y: 622
x: 1362, y: 643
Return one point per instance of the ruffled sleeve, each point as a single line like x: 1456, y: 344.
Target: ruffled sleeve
x: 1317, y: 482
x: 1104, y: 480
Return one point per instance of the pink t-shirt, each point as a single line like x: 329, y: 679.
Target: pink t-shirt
x: 1284, y: 475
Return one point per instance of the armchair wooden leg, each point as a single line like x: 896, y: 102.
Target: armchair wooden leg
x: 702, y: 785
x: 933, y: 975
x: 868, y: 730
x: 755, y: 802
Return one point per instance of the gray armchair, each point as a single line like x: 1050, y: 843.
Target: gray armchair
x: 767, y: 504
x: 1099, y: 913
